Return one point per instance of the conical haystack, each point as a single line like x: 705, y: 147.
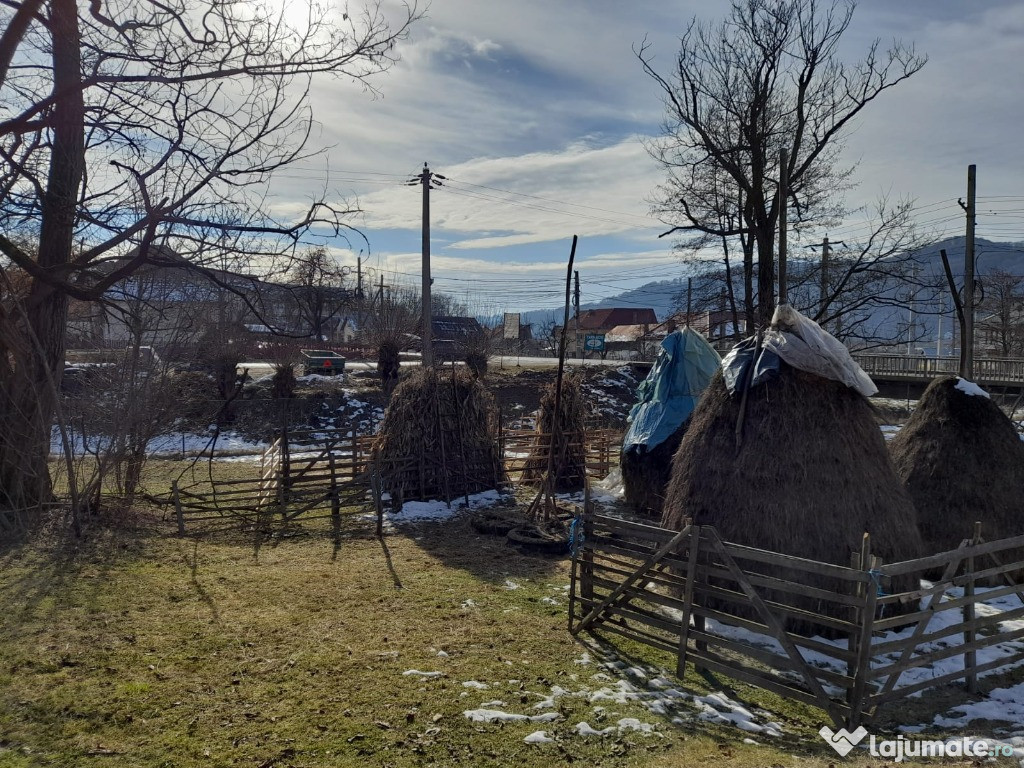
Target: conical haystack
x: 812, y: 474
x: 645, y: 474
x: 962, y: 461
x: 567, y: 426
x: 438, y: 439
x: 665, y: 402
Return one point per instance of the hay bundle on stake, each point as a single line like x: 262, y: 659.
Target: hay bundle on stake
x: 962, y: 461
x: 665, y: 402
x: 560, y: 435
x: 810, y: 474
x: 438, y: 439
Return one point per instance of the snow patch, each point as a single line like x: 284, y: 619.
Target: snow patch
x: 970, y: 388
x: 538, y: 737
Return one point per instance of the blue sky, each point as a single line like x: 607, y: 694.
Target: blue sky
x: 536, y: 112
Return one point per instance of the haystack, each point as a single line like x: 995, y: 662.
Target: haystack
x: 438, y: 439
x: 812, y: 472
x: 665, y: 402
x: 962, y: 461
x: 567, y: 426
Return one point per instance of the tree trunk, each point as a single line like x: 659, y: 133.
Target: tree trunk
x: 28, y: 397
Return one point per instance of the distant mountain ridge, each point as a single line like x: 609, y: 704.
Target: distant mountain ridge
x: 665, y: 296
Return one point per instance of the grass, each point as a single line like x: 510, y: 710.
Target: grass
x: 137, y: 648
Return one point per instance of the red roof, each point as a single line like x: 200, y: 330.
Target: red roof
x: 608, y: 318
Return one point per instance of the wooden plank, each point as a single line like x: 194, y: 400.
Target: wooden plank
x: 740, y: 599
x: 907, y: 690
x: 934, y: 561
x: 634, y: 634
x: 691, y: 573
x: 776, y: 627
x: 658, y: 578
x: 768, y: 657
x: 782, y: 585
x: 832, y: 651
x: 923, y: 659
x: 652, y: 532
x: 947, y: 605
x: 662, y: 550
x: 629, y: 549
x: 976, y: 624
x: 922, y: 623
x: 740, y: 552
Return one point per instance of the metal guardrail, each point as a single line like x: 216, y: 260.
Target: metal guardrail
x: 992, y: 370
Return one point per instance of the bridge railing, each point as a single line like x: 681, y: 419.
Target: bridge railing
x: 904, y: 366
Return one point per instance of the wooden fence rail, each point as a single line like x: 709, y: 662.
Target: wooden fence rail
x: 820, y: 633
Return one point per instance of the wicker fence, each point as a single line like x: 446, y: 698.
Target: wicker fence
x: 731, y: 609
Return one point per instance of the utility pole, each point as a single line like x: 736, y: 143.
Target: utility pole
x: 426, y: 180
x: 359, y: 276
x: 967, y: 359
x: 826, y: 252
x: 576, y: 303
x: 783, y: 199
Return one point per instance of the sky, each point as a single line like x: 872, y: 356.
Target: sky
x: 537, y: 113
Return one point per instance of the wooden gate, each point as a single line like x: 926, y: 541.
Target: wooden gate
x: 819, y: 633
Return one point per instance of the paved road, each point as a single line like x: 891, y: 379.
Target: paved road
x: 258, y: 369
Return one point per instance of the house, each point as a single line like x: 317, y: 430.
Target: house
x: 451, y: 337
x: 600, y: 322
x: 169, y: 304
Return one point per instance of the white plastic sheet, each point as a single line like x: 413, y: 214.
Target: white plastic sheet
x: 804, y: 344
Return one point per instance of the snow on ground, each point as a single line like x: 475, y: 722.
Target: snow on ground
x: 939, y: 621
x: 889, y: 431
x: 425, y: 511
x: 609, y: 489
x: 172, y: 444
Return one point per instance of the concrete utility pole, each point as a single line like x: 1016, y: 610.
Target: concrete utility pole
x: 576, y: 303
x: 426, y: 180
x: 967, y: 368
x: 826, y: 252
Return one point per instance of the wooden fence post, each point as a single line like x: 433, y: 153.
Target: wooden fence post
x: 860, y: 561
x: 177, y: 508
x: 971, y: 656
x: 375, y: 490
x: 335, y: 501
x: 691, y: 573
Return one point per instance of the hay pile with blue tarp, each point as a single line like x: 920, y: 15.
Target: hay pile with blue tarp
x: 783, y: 453
x: 665, y: 401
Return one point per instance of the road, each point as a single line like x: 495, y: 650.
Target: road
x: 500, y: 362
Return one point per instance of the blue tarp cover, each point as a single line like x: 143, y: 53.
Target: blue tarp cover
x: 667, y: 397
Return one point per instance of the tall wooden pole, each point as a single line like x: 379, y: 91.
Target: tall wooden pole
x: 783, y: 197
x: 968, y: 358
x: 426, y: 332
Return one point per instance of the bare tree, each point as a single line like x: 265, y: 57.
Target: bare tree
x: 766, y: 78
x: 1001, y: 316
x: 126, y: 124
x: 319, y: 293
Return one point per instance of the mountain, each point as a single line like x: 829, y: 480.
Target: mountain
x: 665, y: 296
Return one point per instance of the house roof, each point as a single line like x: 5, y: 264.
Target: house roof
x: 454, y: 327
x: 609, y: 317
x: 621, y: 333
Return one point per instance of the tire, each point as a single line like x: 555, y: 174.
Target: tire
x: 536, y: 539
x: 495, y: 523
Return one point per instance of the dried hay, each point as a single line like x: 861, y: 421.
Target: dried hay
x: 645, y: 475
x: 962, y: 461
x: 438, y: 438
x: 812, y: 475
x: 569, y: 467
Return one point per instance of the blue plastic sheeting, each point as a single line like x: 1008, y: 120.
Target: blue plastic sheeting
x: 667, y: 397
x: 738, y: 361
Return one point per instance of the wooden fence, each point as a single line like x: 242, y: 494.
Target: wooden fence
x: 986, y: 370
x: 522, y: 446
x: 309, y: 474
x: 819, y: 633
